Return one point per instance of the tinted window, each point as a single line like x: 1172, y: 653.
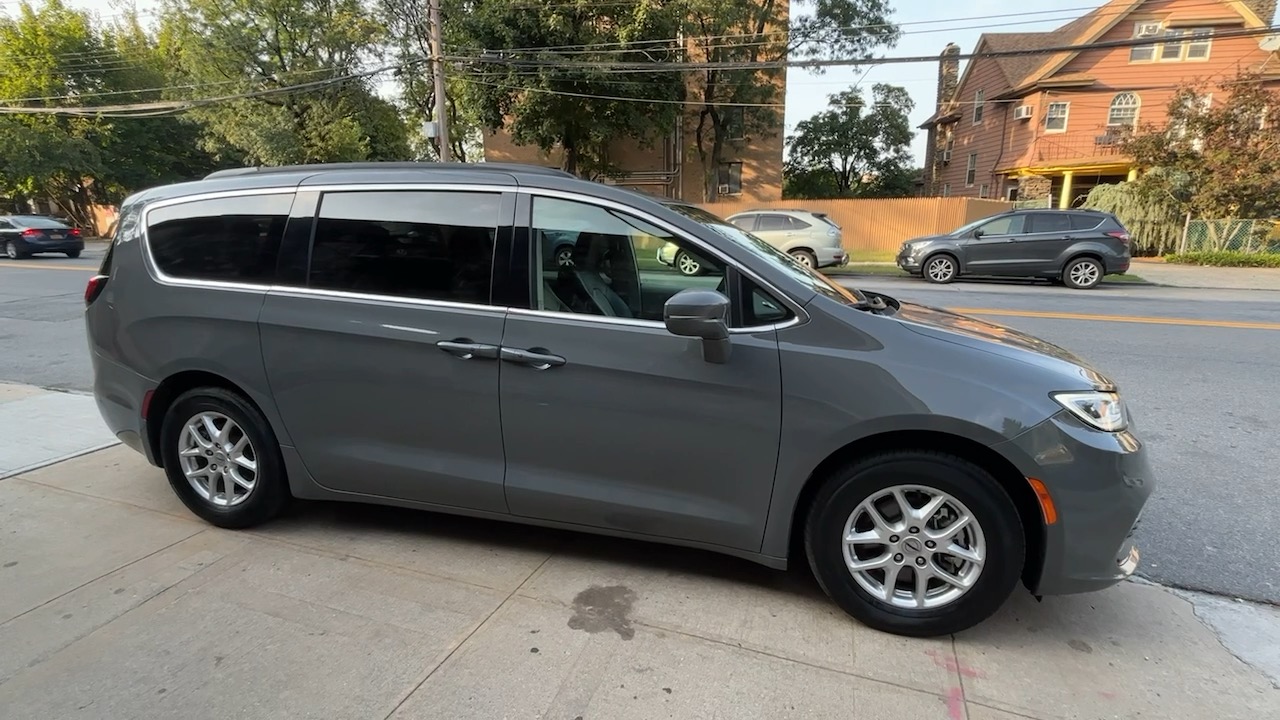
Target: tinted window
x: 622, y: 266
x: 36, y: 221
x: 1080, y: 221
x: 1048, y: 222
x: 230, y: 239
x: 774, y: 222
x: 5, y: 225
x: 1005, y: 225
x: 761, y: 307
x: 434, y: 245
x: 746, y: 222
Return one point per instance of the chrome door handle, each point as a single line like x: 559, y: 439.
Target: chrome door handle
x: 536, y: 358
x: 466, y: 350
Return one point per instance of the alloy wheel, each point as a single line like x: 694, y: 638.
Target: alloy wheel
x: 804, y: 259
x: 941, y: 269
x: 1084, y: 273
x: 217, y: 459
x: 11, y: 250
x: 687, y: 265
x: 912, y: 546
x: 564, y: 257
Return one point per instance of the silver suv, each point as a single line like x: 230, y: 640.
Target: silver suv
x: 389, y: 333
x: 811, y: 238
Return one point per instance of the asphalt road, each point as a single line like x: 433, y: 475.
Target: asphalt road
x: 1200, y: 368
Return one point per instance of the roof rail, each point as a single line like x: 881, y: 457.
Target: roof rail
x: 491, y: 166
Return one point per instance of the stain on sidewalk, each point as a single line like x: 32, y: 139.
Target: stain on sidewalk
x: 601, y: 609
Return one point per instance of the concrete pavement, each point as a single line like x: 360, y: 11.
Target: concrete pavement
x: 116, y: 602
x: 1197, y: 276
x: 43, y: 426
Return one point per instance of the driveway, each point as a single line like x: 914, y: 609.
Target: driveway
x: 116, y: 603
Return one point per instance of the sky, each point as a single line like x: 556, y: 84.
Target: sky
x: 927, y: 26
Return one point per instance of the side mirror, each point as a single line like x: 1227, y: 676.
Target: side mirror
x: 701, y: 314
x: 978, y: 233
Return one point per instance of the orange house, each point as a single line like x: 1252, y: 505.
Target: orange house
x: 1044, y: 126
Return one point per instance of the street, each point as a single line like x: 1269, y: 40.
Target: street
x: 1199, y: 369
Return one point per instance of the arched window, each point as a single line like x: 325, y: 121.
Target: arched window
x: 1124, y: 110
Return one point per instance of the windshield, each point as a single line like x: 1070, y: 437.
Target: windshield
x: 811, y: 278
x: 966, y: 228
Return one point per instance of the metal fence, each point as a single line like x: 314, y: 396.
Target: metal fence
x: 1232, y: 235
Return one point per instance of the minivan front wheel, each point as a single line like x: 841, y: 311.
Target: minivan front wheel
x: 222, y: 459
x: 1082, y: 273
x: 941, y: 269
x: 915, y: 543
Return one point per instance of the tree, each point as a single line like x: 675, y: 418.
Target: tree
x: 1152, y: 216
x: 246, y: 46
x: 734, y: 37
x: 561, y: 96
x: 1219, y: 160
x: 853, y: 149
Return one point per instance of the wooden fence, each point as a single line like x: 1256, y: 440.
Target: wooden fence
x: 876, y: 228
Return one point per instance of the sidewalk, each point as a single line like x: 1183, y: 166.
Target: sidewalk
x: 42, y: 426
x: 116, y: 603
x: 1196, y: 276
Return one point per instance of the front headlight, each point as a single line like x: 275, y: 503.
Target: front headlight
x: 1102, y: 410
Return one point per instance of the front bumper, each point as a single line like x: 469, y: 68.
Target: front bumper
x: 1099, y: 483
x: 907, y: 262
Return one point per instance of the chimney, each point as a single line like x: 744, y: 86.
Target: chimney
x: 1265, y: 9
x: 949, y: 73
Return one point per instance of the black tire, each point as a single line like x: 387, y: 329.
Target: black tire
x: 270, y: 493
x: 687, y: 264
x: 564, y: 256
x: 12, y: 251
x: 943, y: 275
x: 1082, y: 273
x: 73, y: 254
x: 806, y: 258
x: 985, y: 499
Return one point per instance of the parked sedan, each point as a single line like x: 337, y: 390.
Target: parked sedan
x: 24, y: 235
x: 1076, y: 247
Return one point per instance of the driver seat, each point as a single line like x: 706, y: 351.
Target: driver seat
x: 588, y: 252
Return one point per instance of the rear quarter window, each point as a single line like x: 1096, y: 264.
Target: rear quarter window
x: 1080, y: 221
x: 234, y: 239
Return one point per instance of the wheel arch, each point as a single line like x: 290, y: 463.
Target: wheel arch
x: 949, y: 252
x: 172, y: 387
x: 1004, y: 471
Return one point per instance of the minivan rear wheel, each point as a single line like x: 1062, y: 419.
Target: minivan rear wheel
x: 915, y: 543
x: 1082, y: 273
x: 222, y: 459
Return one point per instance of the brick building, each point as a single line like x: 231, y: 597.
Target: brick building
x: 1044, y: 127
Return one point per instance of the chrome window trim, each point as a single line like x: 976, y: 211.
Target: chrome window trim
x: 637, y: 323
x: 320, y: 293
x: 797, y: 310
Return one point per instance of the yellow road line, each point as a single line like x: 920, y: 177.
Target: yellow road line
x: 41, y: 266
x: 1146, y: 320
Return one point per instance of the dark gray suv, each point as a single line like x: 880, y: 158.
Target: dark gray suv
x: 1076, y: 247
x: 390, y: 334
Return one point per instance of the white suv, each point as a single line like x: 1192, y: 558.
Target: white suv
x: 811, y: 238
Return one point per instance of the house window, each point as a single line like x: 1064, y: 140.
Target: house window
x: 971, y: 170
x: 729, y: 178
x: 1144, y: 30
x: 1055, y: 119
x: 977, y: 107
x: 984, y: 190
x: 1124, y: 110
x: 1186, y: 45
x: 735, y: 123
x: 946, y: 190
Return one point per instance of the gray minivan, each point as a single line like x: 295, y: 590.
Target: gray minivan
x: 387, y: 333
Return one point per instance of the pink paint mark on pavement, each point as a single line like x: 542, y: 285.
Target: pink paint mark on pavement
x: 950, y: 663
x: 955, y: 704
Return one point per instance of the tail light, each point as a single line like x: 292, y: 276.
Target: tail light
x: 1121, y: 236
x: 74, y: 232
x: 30, y: 232
x: 94, y: 288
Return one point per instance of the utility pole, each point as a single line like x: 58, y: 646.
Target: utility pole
x: 437, y: 72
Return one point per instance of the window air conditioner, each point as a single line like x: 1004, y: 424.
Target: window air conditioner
x: 1023, y: 112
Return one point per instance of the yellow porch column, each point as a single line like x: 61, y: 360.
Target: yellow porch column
x: 1133, y: 174
x: 1064, y: 200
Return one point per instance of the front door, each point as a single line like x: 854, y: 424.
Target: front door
x: 990, y: 251
x: 384, y: 364
x: 611, y: 422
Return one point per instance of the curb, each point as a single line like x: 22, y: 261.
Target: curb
x: 54, y: 461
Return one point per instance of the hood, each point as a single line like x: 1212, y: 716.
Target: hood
x: 926, y: 238
x: 992, y: 337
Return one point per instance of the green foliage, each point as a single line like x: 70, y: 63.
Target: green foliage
x: 1226, y: 258
x: 578, y: 106
x: 1218, y: 161
x: 244, y: 46
x: 751, y: 31
x: 853, y: 149
x: 1153, y: 218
